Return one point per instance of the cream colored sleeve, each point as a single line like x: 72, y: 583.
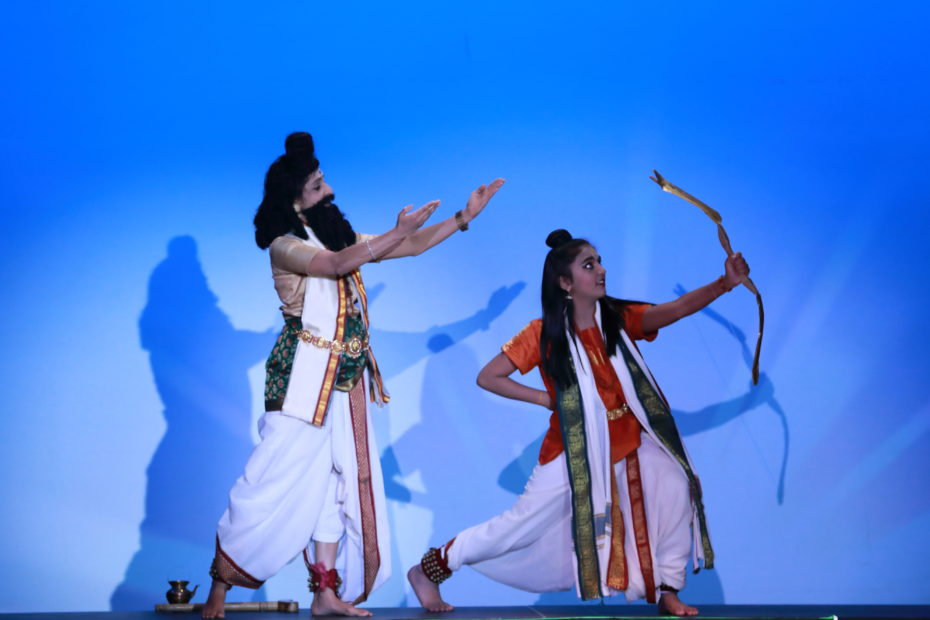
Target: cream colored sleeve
x: 290, y: 254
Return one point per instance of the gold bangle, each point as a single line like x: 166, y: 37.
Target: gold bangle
x: 460, y: 221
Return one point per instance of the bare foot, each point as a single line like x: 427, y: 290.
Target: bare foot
x: 326, y: 603
x: 216, y: 600
x: 427, y: 591
x: 671, y: 605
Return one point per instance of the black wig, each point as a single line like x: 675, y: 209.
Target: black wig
x: 284, y: 183
x: 559, y: 312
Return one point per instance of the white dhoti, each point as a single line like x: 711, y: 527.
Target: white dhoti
x: 530, y: 545
x: 301, y: 484
x: 668, y: 518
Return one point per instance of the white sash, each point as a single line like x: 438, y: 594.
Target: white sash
x: 319, y: 317
x: 598, y: 437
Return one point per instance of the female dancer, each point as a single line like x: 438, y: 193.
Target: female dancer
x: 613, y: 501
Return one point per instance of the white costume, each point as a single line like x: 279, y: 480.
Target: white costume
x: 316, y: 474
x: 531, y: 545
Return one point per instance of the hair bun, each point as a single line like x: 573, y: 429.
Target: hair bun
x: 558, y: 237
x: 299, y: 144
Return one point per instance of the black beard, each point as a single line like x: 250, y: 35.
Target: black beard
x: 329, y: 224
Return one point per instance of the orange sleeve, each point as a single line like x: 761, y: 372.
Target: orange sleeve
x: 523, y: 349
x: 633, y: 322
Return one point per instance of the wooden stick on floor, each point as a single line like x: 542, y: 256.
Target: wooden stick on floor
x: 289, y: 607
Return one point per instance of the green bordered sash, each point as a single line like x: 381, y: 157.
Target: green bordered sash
x: 663, y: 424
x: 575, y: 442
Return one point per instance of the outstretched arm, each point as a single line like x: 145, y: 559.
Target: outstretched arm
x: 495, y: 378
x: 663, y: 315
x: 337, y: 264
x: 424, y: 239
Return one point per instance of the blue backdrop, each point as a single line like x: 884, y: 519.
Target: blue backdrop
x: 137, y: 311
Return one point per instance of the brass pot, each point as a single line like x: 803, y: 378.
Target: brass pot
x: 179, y: 594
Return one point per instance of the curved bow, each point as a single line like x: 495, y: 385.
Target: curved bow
x: 725, y: 242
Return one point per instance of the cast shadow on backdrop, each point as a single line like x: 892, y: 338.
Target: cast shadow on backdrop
x: 199, y: 363
x: 449, y: 372
x: 705, y: 587
x: 398, y: 351
x: 761, y: 394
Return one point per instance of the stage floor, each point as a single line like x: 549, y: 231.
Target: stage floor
x: 708, y: 612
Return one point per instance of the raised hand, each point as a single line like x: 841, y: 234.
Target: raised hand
x: 736, y: 269
x: 479, y: 199
x: 410, y: 221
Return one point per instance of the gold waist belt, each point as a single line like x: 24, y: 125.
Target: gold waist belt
x: 616, y: 414
x: 354, y: 347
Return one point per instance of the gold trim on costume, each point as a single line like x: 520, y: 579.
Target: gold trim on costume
x: 659, y: 416
x: 619, y: 412
x: 376, y: 382
x: 617, y: 575
x: 571, y: 418
x: 634, y: 483
x: 354, y: 347
x: 371, y: 557
x: 226, y: 570
x: 332, y: 365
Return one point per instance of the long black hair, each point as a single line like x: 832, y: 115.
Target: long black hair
x: 284, y: 183
x: 559, y: 311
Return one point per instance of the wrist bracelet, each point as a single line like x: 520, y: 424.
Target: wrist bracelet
x: 460, y: 221
x: 370, y: 253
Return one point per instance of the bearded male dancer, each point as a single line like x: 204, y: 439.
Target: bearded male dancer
x: 314, y: 480
x: 612, y: 503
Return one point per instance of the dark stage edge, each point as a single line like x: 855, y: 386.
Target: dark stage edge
x: 708, y: 612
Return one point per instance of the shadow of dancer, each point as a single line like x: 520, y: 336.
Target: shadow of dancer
x: 456, y: 447
x: 199, y: 363
x: 400, y: 350
x: 762, y: 394
x: 397, y: 351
